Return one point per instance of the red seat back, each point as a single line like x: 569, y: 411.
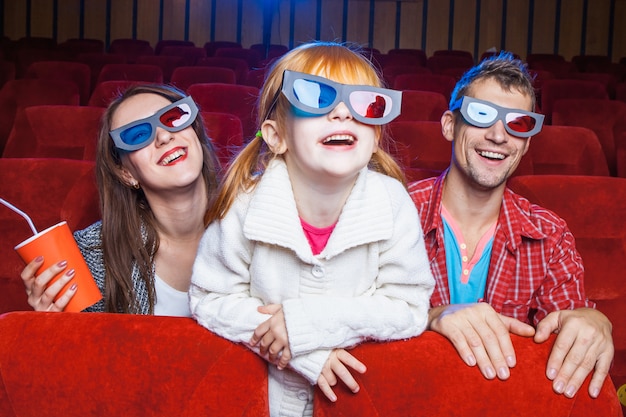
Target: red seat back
x: 53, y: 131
x: 48, y: 190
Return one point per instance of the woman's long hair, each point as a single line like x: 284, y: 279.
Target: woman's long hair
x: 334, y: 61
x: 129, y: 231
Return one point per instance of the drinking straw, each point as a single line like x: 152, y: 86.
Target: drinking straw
x: 21, y: 213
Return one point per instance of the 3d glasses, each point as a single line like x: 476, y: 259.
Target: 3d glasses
x: 316, y: 95
x: 480, y: 113
x: 140, y: 133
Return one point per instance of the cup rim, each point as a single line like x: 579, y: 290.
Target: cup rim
x: 43, y: 232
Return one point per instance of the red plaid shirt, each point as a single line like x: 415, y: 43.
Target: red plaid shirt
x: 534, y: 269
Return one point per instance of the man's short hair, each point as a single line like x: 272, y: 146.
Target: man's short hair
x: 510, y: 72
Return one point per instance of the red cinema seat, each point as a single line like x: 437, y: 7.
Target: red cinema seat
x: 184, y: 77
x: 226, y: 134
x: 556, y: 89
x: 77, y: 72
x: 53, y: 131
x: 48, y: 190
x: 236, y: 99
x: 567, y: 150
x: 16, y: 94
x: 131, y: 72
x: 130, y: 48
x: 438, y: 83
x: 594, y: 209
x: 422, y: 105
x: 607, y: 118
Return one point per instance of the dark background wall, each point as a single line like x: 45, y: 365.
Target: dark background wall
x: 566, y: 27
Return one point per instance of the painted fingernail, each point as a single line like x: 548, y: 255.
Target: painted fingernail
x: 471, y: 360
x: 73, y: 287
x: 503, y: 373
x: 39, y: 259
x: 70, y: 273
x: 570, y: 391
x: 551, y: 373
x: 559, y: 387
x: 510, y: 360
x: 62, y: 264
x: 490, y: 373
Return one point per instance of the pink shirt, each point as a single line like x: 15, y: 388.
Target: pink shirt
x: 317, y: 237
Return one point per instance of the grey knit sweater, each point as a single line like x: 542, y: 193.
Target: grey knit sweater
x: 90, y: 244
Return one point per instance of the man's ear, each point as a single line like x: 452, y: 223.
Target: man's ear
x: 447, y: 125
x: 272, y: 138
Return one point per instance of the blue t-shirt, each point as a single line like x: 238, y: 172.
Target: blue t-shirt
x: 467, y: 278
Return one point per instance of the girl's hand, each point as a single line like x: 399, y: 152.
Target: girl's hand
x: 335, y: 367
x: 271, y: 336
x: 41, y: 298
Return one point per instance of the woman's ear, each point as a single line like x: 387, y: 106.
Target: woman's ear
x: 272, y: 138
x: 447, y: 125
x: 126, y: 177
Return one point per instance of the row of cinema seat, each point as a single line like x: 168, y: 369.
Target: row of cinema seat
x: 590, y: 138
x: 593, y: 206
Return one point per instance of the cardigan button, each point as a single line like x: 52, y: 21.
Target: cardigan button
x: 303, y: 395
x: 318, y: 271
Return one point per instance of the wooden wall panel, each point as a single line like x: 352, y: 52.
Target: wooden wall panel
x: 490, y: 26
x: 282, y: 26
x: 252, y: 23
x: 200, y: 22
x: 411, y: 24
x: 297, y: 21
x: 598, y: 18
x: 544, y: 20
x: 68, y: 26
x: 516, y: 32
x: 384, y: 30
x: 571, y: 28
x: 95, y: 20
x: 122, y: 23
x: 148, y: 15
x: 331, y: 24
x: 14, y: 19
x: 619, y: 33
x: 41, y: 18
x: 173, y: 19
x: 226, y: 21
x: 437, y: 26
x: 464, y: 35
x: 358, y: 22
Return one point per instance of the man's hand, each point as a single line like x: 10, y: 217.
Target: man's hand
x: 584, y: 342
x: 480, y: 336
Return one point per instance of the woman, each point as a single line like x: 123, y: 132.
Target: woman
x: 157, y: 174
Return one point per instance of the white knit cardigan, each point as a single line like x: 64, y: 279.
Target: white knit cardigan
x: 371, y: 281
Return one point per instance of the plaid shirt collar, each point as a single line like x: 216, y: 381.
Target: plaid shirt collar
x: 513, y: 220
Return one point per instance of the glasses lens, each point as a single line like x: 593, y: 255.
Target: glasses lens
x: 481, y: 113
x: 370, y: 104
x: 137, y: 134
x: 314, y: 94
x: 177, y: 116
x: 520, y: 122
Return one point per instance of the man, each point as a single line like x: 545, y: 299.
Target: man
x: 503, y: 265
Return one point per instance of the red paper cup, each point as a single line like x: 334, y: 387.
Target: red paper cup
x: 56, y: 244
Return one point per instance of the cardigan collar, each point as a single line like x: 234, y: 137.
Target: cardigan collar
x: 272, y: 216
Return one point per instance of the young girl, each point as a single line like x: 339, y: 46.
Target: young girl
x: 313, y: 243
